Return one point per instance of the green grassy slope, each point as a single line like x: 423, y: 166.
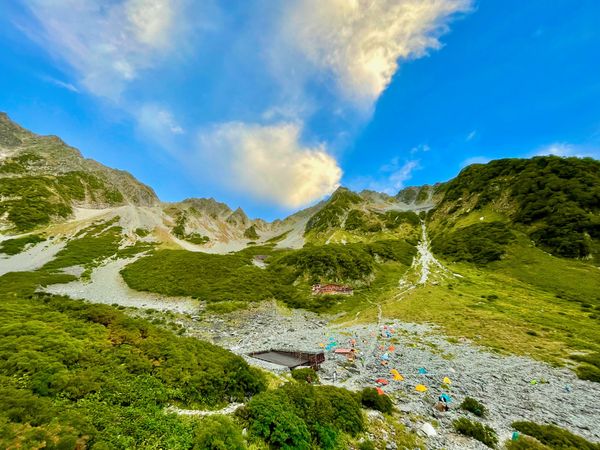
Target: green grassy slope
x: 347, y: 218
x: 528, y: 303
x: 75, y: 374
x: 288, y: 276
x: 556, y: 201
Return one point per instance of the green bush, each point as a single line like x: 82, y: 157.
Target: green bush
x: 588, y: 372
x: 197, y: 238
x: 142, y: 232
x: 472, y: 405
x: 212, y: 278
x: 276, y: 424
x: 479, y: 243
x: 590, y: 369
x: 250, y: 233
x: 94, y: 244
x: 476, y: 430
x: 356, y: 220
x: 330, y: 216
x: 17, y: 245
x: 371, y: 399
x: 33, y: 201
x: 341, y: 263
x: 73, y: 371
x: 306, y: 375
x: 554, y: 437
x: 297, y: 414
x: 366, y: 445
x: 393, y: 219
x: 218, y: 433
x: 525, y: 443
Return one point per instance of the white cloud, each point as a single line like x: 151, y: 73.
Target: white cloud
x: 106, y: 43
x: 166, y: 118
x: 392, y: 179
x: 557, y: 149
x: 157, y: 125
x: 267, y: 162
x: 566, y: 149
x: 400, y: 175
x: 471, y: 135
x: 359, y: 42
x: 151, y: 20
x: 475, y: 160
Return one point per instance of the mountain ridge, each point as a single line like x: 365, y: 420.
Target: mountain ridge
x: 59, y: 181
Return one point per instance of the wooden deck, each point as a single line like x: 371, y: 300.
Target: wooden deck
x: 290, y: 359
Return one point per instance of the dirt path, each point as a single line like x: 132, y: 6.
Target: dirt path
x: 229, y: 409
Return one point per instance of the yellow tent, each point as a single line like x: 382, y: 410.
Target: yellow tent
x: 420, y: 388
x: 447, y: 380
x: 396, y: 375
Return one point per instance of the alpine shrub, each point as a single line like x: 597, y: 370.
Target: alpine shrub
x: 476, y: 430
x: 371, y: 399
x: 553, y: 436
x: 306, y: 374
x: 472, y: 405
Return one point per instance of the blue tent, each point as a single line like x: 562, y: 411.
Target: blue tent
x: 445, y: 398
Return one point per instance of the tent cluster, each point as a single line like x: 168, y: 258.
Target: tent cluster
x: 384, y: 353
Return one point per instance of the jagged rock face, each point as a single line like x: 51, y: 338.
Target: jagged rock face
x: 239, y: 218
x: 208, y: 206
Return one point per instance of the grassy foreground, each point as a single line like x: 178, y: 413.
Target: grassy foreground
x: 76, y: 374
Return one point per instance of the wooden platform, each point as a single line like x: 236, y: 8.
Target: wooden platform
x: 291, y: 359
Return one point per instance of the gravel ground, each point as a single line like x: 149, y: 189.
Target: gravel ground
x: 107, y: 286
x: 501, y: 383
x: 31, y: 259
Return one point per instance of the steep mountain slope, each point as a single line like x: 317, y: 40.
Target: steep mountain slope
x: 555, y: 201
x: 350, y: 217
x: 42, y: 179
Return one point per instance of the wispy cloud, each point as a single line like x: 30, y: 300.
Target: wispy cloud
x: 471, y: 135
x: 392, y: 177
x: 422, y: 148
x: 566, y: 149
x: 61, y: 84
x: 267, y: 162
x: 106, y: 43
x: 332, y: 59
x: 158, y: 123
x: 359, y: 43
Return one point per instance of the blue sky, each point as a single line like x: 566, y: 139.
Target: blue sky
x: 272, y: 105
